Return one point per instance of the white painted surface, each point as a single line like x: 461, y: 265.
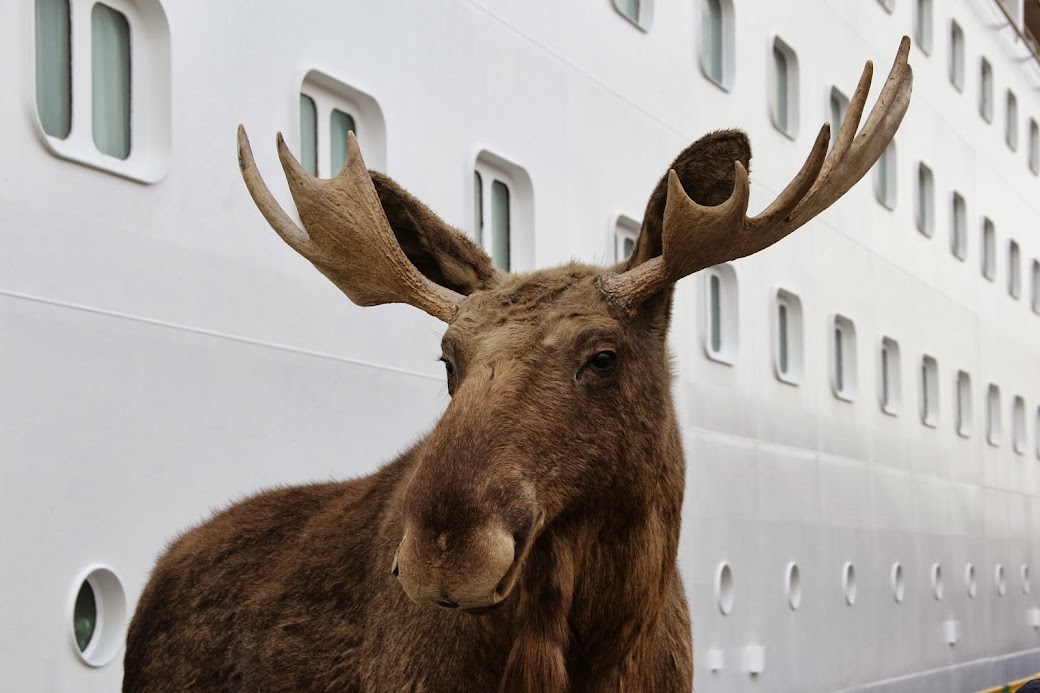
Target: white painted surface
x: 162, y: 353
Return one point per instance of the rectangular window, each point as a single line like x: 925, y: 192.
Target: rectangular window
x: 993, y: 415
x: 959, y: 228
x: 340, y: 124
x: 500, y: 224
x: 626, y: 231
x: 843, y: 362
x: 889, y: 5
x: 839, y: 106
x: 923, y: 25
x: 989, y: 250
x: 929, y: 391
x: 885, y: 177
x: 956, y: 64
x: 1018, y: 425
x: 785, y: 88
x: 630, y: 9
x: 110, y: 81
x: 890, y: 396
x: 965, y: 416
x: 720, y: 327
x: 925, y: 211
x: 1011, y: 121
x: 308, y: 135
x: 1034, y: 147
x: 714, y: 41
x: 478, y: 208
x: 1014, y: 270
x: 1036, y: 286
x: 986, y: 90
x: 54, y: 67
x: 787, y: 349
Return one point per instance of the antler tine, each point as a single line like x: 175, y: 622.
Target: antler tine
x: 264, y: 200
x: 845, y: 168
x: 348, y: 237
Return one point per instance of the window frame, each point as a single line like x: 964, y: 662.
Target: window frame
x: 784, y: 115
x: 928, y: 391
x: 964, y: 422
x: 994, y: 423
x: 1011, y: 120
x: 924, y: 200
x: 1019, y: 433
x: 923, y: 22
x: 956, y: 63
x: 958, y: 226
x: 625, y: 228
x: 1014, y: 285
x: 885, y: 183
x: 890, y: 395
x: 986, y: 89
x: 988, y: 255
x: 726, y: 39
x: 644, y: 14
x: 790, y: 340
x: 842, y: 352
x: 150, y: 92
x: 728, y: 311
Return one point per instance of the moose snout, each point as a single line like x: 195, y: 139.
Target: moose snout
x: 456, y: 570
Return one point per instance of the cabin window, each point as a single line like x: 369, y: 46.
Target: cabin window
x: 929, y: 391
x: 788, y: 352
x: 986, y: 90
x: 720, y: 329
x: 989, y: 249
x: 1036, y: 430
x: 1014, y: 270
x: 340, y: 123
x: 717, y: 41
x: 626, y: 231
x: 885, y: 177
x: 110, y: 80
x: 329, y: 111
x: 956, y: 64
x: 1034, y: 147
x: 1018, y: 425
x: 993, y: 424
x: 54, y: 67
x: 889, y: 5
x: 638, y: 12
x: 1011, y: 121
x: 1036, y: 286
x: 925, y: 202
x: 784, y: 106
x: 965, y: 415
x: 838, y: 106
x: 503, y: 217
x: 120, y: 109
x: 959, y: 228
x: 98, y: 617
x: 923, y: 25
x: 843, y: 358
x: 308, y: 135
x: 889, y: 380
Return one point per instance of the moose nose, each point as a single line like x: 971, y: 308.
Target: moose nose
x: 447, y: 603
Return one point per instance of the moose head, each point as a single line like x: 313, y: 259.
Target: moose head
x: 559, y: 378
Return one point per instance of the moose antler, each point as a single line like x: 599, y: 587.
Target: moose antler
x: 697, y: 237
x: 348, y: 237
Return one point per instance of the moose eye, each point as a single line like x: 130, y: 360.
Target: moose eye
x: 449, y: 369
x: 603, y: 361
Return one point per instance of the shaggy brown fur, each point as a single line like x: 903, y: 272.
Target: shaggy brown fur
x: 568, y: 460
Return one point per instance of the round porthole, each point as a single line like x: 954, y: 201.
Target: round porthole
x: 848, y: 583
x: 98, y: 616
x: 938, y: 588
x: 1026, y: 587
x: 970, y: 581
x: 724, y: 588
x: 1000, y: 579
x: 898, y: 582
x: 793, y: 586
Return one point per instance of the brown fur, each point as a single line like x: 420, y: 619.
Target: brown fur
x: 580, y: 471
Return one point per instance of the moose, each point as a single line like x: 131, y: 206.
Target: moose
x: 529, y: 541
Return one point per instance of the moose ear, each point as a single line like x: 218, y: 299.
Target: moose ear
x: 441, y: 253
x: 705, y: 170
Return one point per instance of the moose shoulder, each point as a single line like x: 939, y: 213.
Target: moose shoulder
x: 529, y: 541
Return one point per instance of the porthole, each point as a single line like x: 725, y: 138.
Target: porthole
x: 898, y: 582
x: 98, y: 616
x: 938, y: 588
x: 1000, y: 579
x: 848, y: 583
x: 724, y: 588
x: 970, y: 580
x: 793, y: 586
x: 1026, y: 587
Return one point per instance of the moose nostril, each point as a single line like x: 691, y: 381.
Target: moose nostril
x: 447, y: 603
x: 396, y: 571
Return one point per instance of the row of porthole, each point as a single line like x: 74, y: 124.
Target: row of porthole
x: 724, y: 584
